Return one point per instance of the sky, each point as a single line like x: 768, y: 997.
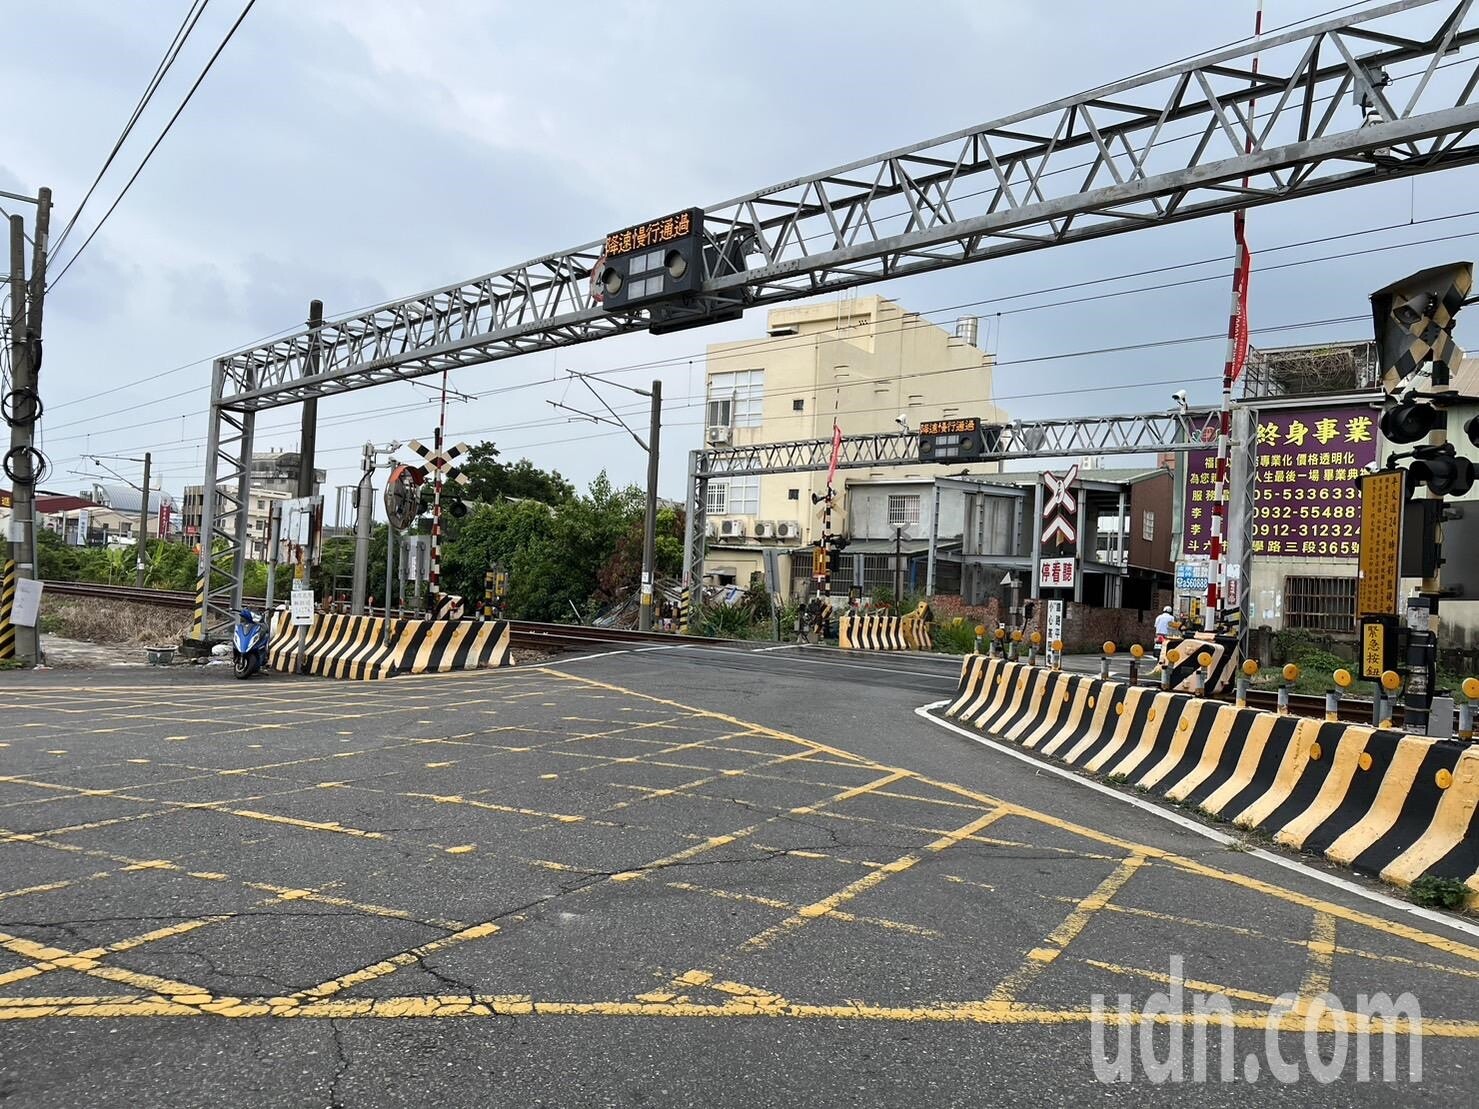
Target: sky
x: 360, y: 150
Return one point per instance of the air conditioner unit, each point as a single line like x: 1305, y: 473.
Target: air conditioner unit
x: 788, y: 529
x: 717, y: 436
x: 711, y: 530
x: 764, y: 530
x: 732, y: 529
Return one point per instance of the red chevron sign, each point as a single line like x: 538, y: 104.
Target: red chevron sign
x: 1060, y: 507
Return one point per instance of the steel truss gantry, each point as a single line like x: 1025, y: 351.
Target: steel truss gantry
x: 1371, y: 95
x: 1085, y: 437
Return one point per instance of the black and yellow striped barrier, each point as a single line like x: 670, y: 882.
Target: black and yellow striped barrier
x: 365, y: 648
x: 874, y: 631
x: 197, y: 630
x: 1202, y: 662
x: 685, y: 610
x: 446, y: 606
x: 7, y: 607
x: 1374, y: 799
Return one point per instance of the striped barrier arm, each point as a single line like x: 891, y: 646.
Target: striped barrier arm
x: 7, y: 607
x: 1393, y: 805
x: 1224, y: 668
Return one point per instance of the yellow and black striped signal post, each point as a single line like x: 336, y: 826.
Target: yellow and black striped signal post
x: 197, y: 632
x: 685, y: 608
x: 488, y: 595
x: 7, y: 606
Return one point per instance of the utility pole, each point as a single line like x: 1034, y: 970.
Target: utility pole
x: 23, y: 462
x: 649, y: 525
x: 307, y: 438
x: 650, y: 445
x: 139, y: 565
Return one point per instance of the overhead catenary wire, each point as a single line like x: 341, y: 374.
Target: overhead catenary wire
x: 910, y: 321
x: 172, y: 51
x: 150, y: 154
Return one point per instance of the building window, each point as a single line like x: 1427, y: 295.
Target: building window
x: 716, y: 498
x: 736, y: 496
x: 793, y: 494
x: 744, y: 496
x: 737, y: 397
x: 1147, y: 525
x: 1320, y: 604
x: 798, y: 405
x: 903, y: 509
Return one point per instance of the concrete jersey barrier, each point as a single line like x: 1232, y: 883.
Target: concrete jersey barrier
x: 1376, y: 800
x: 365, y: 648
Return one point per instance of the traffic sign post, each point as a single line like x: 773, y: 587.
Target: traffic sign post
x: 1378, y: 578
x: 443, y: 465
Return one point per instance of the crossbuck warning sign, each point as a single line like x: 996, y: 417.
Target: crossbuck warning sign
x: 443, y: 462
x: 1060, y: 508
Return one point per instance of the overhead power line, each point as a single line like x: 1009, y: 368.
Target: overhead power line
x: 113, y: 207
x: 171, y: 52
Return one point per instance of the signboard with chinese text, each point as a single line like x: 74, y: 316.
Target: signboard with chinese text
x: 1378, y: 645
x: 300, y: 607
x: 1056, y: 573
x: 1192, y: 575
x: 657, y: 232
x: 1307, y: 504
x: 1055, y: 622
x: 1378, y: 579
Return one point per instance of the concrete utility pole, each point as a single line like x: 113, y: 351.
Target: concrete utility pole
x: 364, y: 515
x: 649, y: 525
x: 140, y: 563
x: 307, y: 438
x: 25, y: 363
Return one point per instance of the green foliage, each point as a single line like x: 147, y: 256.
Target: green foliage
x: 954, y: 637
x: 491, y: 481
x: 1434, y: 892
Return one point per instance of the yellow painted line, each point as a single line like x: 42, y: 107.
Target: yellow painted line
x: 858, y: 791
x: 359, y: 906
x: 48, y: 887
x: 1188, y: 983
x: 1060, y: 937
x: 462, y: 849
x: 1321, y: 963
x: 394, y: 963
x: 788, y: 906
x: 1191, y: 866
x: 505, y: 1005
x: 314, y: 825
x: 456, y: 799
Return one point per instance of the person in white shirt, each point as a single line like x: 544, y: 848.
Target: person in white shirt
x: 1163, y: 624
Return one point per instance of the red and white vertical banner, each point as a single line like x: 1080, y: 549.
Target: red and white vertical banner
x: 1232, y: 368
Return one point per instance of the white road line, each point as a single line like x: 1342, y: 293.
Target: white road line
x: 1200, y: 829
x: 782, y: 647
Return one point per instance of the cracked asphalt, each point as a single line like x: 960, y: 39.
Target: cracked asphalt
x: 658, y: 877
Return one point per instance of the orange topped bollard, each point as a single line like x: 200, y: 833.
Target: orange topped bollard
x: 1250, y: 671
x: 1342, y: 679
x: 1108, y: 650
x: 1291, y: 675
x: 1137, y: 653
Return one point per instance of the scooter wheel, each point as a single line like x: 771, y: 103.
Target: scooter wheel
x: 242, y: 666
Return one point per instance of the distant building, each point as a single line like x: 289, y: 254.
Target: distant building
x: 862, y: 362
x: 274, y: 477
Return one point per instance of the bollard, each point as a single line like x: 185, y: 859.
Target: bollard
x: 1250, y: 671
x: 1016, y: 644
x: 1001, y: 639
x: 1291, y: 675
x: 1057, y: 648
x: 980, y: 635
x: 1137, y: 653
x: 1343, y: 681
x: 1204, y: 674
x: 1391, y: 681
x: 1466, y: 711
x: 1108, y: 649
x: 1036, y: 640
x: 1173, y: 656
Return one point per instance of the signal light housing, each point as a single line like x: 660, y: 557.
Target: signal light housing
x: 1441, y: 470
x: 1409, y: 421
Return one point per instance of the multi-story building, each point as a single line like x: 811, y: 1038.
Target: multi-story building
x: 863, y: 363
x: 274, y: 477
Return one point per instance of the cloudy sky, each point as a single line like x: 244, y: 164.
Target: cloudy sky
x: 360, y: 150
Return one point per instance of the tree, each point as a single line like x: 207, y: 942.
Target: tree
x: 491, y: 481
x: 622, y: 572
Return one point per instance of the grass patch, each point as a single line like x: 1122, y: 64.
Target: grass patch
x: 1433, y: 892
x: 100, y: 621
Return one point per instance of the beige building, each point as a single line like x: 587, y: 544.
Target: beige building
x: 861, y: 361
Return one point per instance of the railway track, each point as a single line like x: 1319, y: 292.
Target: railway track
x: 566, y: 637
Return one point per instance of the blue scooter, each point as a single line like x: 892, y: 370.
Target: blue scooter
x: 248, y: 644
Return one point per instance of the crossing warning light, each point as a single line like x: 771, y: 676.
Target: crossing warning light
x: 819, y: 561
x: 652, y: 261
x: 1441, y: 470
